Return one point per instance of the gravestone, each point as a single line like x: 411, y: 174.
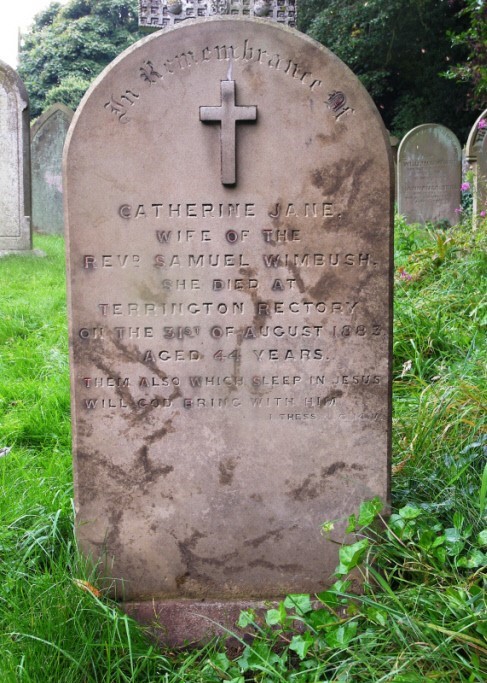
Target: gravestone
x: 47, y: 141
x: 476, y: 157
x: 228, y: 189
x: 429, y: 175
x: 15, y: 232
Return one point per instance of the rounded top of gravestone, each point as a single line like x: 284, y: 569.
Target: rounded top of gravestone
x: 429, y: 132
x: 476, y: 137
x: 15, y: 81
x: 57, y: 107
x: 336, y: 101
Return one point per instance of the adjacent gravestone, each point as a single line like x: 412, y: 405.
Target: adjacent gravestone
x: 229, y: 216
x: 476, y: 157
x: 15, y: 233
x: 429, y: 169
x: 47, y: 141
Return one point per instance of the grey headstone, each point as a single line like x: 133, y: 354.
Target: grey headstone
x: 15, y: 232
x: 429, y: 175
x: 229, y: 219
x: 476, y: 157
x: 47, y: 141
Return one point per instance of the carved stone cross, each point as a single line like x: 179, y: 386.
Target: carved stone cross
x: 228, y: 115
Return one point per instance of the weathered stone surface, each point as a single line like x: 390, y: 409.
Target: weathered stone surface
x: 476, y: 157
x: 15, y: 233
x: 230, y: 337
x: 47, y: 141
x: 429, y: 169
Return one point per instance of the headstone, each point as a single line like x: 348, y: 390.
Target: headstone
x: 476, y: 157
x: 15, y: 233
x: 394, y: 142
x: 47, y: 141
x: 429, y: 175
x: 229, y: 215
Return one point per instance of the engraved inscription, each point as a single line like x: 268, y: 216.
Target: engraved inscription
x: 120, y: 107
x: 337, y: 102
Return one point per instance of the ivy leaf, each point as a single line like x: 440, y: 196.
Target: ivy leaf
x: 301, y: 602
x: 410, y: 512
x: 276, y: 616
x: 301, y: 644
x: 351, y: 555
x: 341, y: 636
x: 369, y: 510
x: 246, y: 618
x: 482, y: 538
x: 475, y: 558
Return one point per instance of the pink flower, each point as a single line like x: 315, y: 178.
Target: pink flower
x: 458, y: 209
x: 483, y: 214
x: 482, y: 124
x: 404, y: 275
x: 465, y: 187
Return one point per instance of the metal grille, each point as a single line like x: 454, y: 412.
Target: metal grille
x: 158, y: 14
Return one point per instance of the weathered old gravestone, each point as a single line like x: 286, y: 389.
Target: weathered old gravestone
x: 47, y: 141
x: 429, y: 175
x: 15, y: 233
x: 228, y: 211
x: 476, y: 157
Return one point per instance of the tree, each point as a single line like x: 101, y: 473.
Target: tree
x: 68, y: 45
x: 399, y: 49
x: 473, y: 70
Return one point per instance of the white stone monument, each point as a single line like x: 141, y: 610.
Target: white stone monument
x: 476, y: 157
x: 15, y: 202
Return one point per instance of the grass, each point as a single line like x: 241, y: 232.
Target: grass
x: 423, y: 614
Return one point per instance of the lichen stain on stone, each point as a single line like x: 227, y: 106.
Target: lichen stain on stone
x: 149, y: 469
x: 307, y: 490
x: 167, y: 428
x: 115, y: 547
x: 181, y: 579
x: 331, y: 469
x: 265, y: 564
x: 275, y: 534
x: 196, y: 566
x: 316, y: 485
x: 342, y: 177
x: 329, y: 139
x: 323, y: 287
x: 297, y: 276
x: 227, y: 468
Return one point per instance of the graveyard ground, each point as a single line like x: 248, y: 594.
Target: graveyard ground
x: 423, y: 615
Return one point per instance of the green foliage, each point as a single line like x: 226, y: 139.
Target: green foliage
x: 422, y: 614
x: 68, y: 45
x: 473, y: 69
x: 398, y: 48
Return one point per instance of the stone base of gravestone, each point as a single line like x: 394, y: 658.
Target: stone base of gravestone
x: 22, y: 252
x: 177, y: 623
